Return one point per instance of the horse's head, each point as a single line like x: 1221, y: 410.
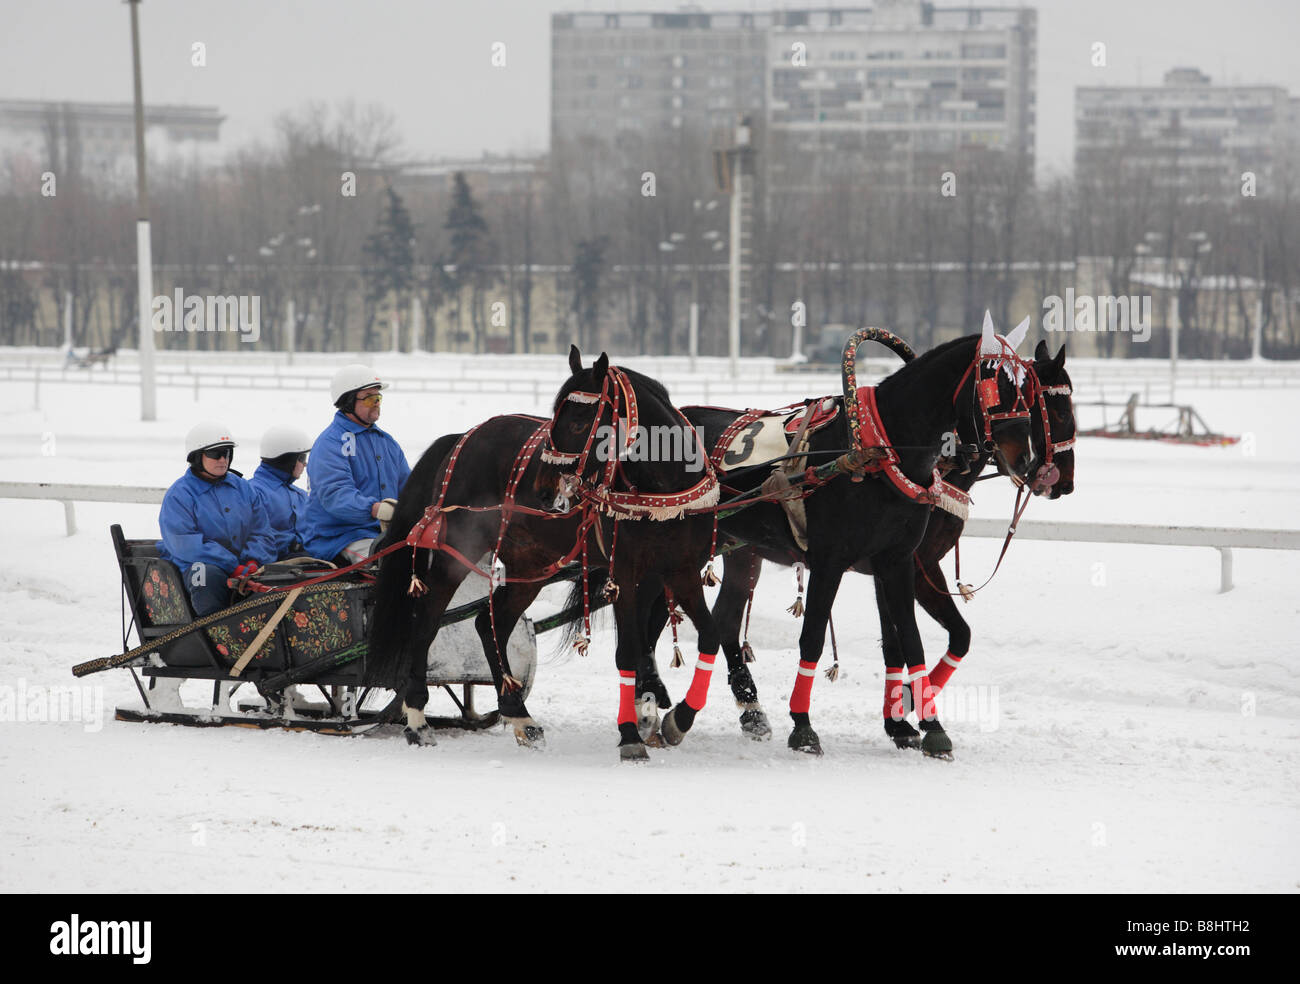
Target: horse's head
x: 584, y: 402
x: 1054, y: 471
x: 1004, y: 387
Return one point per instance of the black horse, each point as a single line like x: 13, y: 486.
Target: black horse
x: 867, y: 523
x: 535, y: 495
x: 743, y: 564
x: 945, y: 529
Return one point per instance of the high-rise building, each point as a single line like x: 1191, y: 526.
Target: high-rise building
x: 884, y: 91
x: 625, y: 77
x: 1187, y: 133
x: 897, y: 93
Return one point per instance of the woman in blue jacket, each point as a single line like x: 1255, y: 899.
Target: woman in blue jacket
x: 356, y: 471
x: 212, y: 524
x: 284, y: 458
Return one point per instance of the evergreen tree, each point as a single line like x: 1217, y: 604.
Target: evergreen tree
x: 470, y: 253
x: 390, y: 260
x: 588, y: 268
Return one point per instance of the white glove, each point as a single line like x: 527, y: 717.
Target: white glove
x: 384, y: 513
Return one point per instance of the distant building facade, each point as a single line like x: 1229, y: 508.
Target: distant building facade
x: 887, y: 89
x: 99, y: 137
x: 1186, y: 133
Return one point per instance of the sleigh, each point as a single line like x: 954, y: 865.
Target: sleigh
x: 309, y: 642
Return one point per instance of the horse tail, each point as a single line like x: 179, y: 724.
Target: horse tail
x: 394, y: 621
x: 572, y: 609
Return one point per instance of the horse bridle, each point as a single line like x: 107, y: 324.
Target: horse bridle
x: 986, y: 395
x: 616, y: 387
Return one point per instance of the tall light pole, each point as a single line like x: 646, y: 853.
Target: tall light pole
x: 740, y: 171
x: 143, y: 255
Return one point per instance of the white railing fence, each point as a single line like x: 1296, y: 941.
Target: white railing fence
x: 1222, y: 539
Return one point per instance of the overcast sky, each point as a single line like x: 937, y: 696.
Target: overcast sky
x: 429, y: 61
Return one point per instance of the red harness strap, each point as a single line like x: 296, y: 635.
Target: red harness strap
x: 729, y: 434
x: 872, y: 435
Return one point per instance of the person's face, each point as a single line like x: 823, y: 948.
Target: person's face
x: 366, y: 408
x: 216, y: 461
x: 299, y: 466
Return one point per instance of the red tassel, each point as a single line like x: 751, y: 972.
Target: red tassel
x: 417, y: 588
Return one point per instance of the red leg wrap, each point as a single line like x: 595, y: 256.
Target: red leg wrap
x: 627, y: 696
x: 943, y: 670
x: 922, y: 693
x: 699, y: 692
x: 801, y: 696
x: 895, y: 709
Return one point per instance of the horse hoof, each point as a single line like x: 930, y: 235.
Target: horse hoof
x: 804, y: 739
x: 754, y: 724
x: 903, y: 734
x: 672, y: 734
x: 530, y: 736
x: 656, y: 740
x: 937, y: 744
x: 422, y: 735
x: 635, y: 752
x: 647, y: 719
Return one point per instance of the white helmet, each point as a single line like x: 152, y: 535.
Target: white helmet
x: 353, y: 377
x: 281, y: 439
x: 208, y: 434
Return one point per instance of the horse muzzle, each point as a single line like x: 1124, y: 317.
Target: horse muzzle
x: 1044, y: 480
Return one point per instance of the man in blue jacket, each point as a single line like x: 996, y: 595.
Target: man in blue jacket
x: 356, y: 471
x: 284, y: 457
x: 212, y: 524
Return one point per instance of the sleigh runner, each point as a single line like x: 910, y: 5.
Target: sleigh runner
x: 309, y: 663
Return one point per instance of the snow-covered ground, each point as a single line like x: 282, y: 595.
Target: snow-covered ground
x: 1119, y: 725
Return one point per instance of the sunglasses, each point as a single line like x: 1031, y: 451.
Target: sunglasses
x: 373, y: 400
x: 216, y: 454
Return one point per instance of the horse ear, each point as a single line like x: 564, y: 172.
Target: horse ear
x: 1059, y: 361
x: 575, y: 359
x: 1040, y: 351
x: 989, y: 337
x: 601, y: 366
x: 1017, y: 334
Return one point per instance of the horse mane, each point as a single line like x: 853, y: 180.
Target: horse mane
x: 646, y: 386
x: 925, y: 360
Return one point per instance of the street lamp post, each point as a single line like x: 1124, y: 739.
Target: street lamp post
x: 713, y: 237
x: 143, y: 253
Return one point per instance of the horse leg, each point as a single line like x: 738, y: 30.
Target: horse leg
x: 739, y: 575
x: 687, y: 589
x: 897, y: 695
x: 427, y: 615
x: 942, y: 607
x: 823, y: 584
x: 895, y: 578
x: 648, y: 679
x: 628, y: 656
x: 509, y: 602
x: 651, y: 694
